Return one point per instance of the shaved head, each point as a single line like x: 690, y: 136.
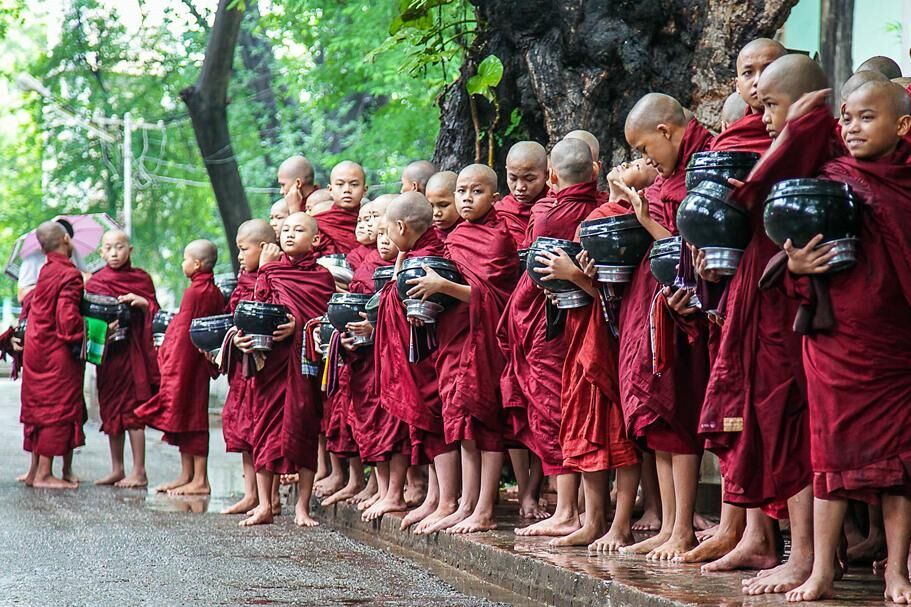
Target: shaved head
x: 652, y: 110
x: 279, y: 207
x: 443, y: 182
x: 115, y: 235
x: 734, y: 109
x: 381, y: 203
x: 303, y: 219
x: 895, y: 99
x: 793, y: 75
x: 572, y: 162
x: 760, y: 46
x: 318, y: 196
x: 204, y: 251
x: 347, y: 166
x: 480, y: 172
x: 590, y: 140
x: 884, y: 65
x: 51, y: 236
x: 417, y: 173
x: 296, y: 167
x: 255, y: 231
x: 859, y: 79
x: 413, y: 209
x: 529, y: 154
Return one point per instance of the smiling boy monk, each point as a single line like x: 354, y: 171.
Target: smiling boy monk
x: 526, y: 176
x: 468, y: 361
x: 128, y: 375
x: 286, y: 422
x: 441, y: 196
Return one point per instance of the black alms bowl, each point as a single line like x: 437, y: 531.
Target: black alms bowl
x: 325, y: 333
x: 104, y: 307
x: 523, y: 257
x: 413, y: 268
x: 19, y: 333
x: 338, y: 266
x: 345, y: 308
x: 372, y: 308
x: 615, y: 241
x: 208, y: 332
x: 226, y: 283
x: 800, y: 209
x: 160, y: 323
x: 663, y: 259
x: 381, y: 276
x: 550, y: 245
x: 259, y: 319
x: 718, y: 167
x: 706, y: 219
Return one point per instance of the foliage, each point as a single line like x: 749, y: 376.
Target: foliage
x: 484, y: 84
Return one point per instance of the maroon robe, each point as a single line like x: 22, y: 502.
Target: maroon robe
x: 409, y: 390
x: 181, y: 407
x: 531, y: 380
x: 237, y: 414
x: 53, y: 409
x: 662, y: 410
x: 516, y: 215
x: 444, y: 234
x: 469, y: 362
x: 336, y: 228
x: 286, y: 405
x: 747, y: 134
x: 359, y: 253
x: 128, y: 375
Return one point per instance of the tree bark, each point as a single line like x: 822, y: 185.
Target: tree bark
x: 582, y: 64
x: 207, y: 102
x: 258, y: 59
x: 836, y: 34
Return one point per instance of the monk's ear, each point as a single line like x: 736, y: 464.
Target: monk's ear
x: 596, y: 170
x: 665, y: 131
x: 552, y: 178
x: 315, y: 239
x: 904, y: 125
x: 496, y: 196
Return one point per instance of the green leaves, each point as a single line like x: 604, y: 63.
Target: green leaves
x: 489, y: 75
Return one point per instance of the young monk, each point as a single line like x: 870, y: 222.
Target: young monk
x: 884, y: 65
x: 53, y: 409
x: 295, y: 179
x: 348, y: 185
x: 734, y: 109
x: 416, y: 175
x: 286, y: 422
x: 468, y: 361
x: 526, y: 177
x: 857, y: 380
x: 531, y: 380
x: 181, y: 408
x: 237, y: 414
x: 278, y: 213
x: 128, y: 374
x: 408, y: 390
x: 593, y: 144
x: 441, y: 195
x: 662, y: 408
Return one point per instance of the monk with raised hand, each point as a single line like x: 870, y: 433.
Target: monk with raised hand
x: 52, y: 404
x: 416, y: 175
x: 286, y: 422
x: 857, y: 382
x: 295, y: 179
x: 128, y: 375
x: 278, y: 213
x: 237, y: 414
x: 884, y: 65
x: 662, y: 394
x: 526, y: 177
x: 441, y: 196
x: 181, y: 408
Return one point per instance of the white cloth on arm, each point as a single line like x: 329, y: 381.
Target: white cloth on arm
x: 31, y: 267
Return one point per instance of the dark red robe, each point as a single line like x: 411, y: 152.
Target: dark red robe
x: 444, y: 234
x: 409, y: 390
x: 747, y: 134
x: 662, y: 410
x: 336, y: 228
x: 53, y: 409
x: 181, y: 407
x: 128, y: 375
x: 237, y: 414
x: 531, y: 380
x: 469, y: 362
x: 516, y: 215
x: 286, y: 405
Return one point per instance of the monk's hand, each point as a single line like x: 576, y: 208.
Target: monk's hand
x: 347, y: 342
x: 209, y: 356
x: 426, y: 285
x: 135, y: 301
x: 679, y: 301
x: 112, y: 328
x: 556, y: 266
x: 362, y: 328
x: 811, y: 259
x: 242, y: 342
x: 586, y: 264
x: 640, y: 206
x: 699, y: 265
x: 295, y: 198
x: 715, y: 317
x: 285, y: 331
x: 341, y: 287
x: 735, y: 182
x: 270, y: 253
x: 807, y: 103
x: 16, y: 343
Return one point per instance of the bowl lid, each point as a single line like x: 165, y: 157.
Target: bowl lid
x: 334, y: 260
x: 809, y: 187
x: 546, y: 242
x: 666, y: 246
x: 430, y: 260
x: 349, y: 298
x: 259, y: 307
x: 219, y: 320
x: 609, y: 224
x: 374, y: 302
x: 384, y: 272
x: 721, y: 159
x: 715, y: 191
x: 97, y: 298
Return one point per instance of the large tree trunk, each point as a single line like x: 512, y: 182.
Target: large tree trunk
x: 836, y: 33
x: 207, y: 105
x: 582, y: 64
x: 258, y: 59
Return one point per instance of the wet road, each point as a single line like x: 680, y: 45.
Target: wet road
x: 104, y: 546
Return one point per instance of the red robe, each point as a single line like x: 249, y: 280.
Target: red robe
x: 409, y: 391
x: 128, y: 375
x: 469, y: 362
x: 286, y: 403
x: 444, y: 234
x: 336, y: 228
x: 748, y: 134
x: 592, y: 431
x: 181, y: 407
x: 237, y: 414
x: 662, y: 411
x: 515, y: 215
x: 359, y: 253
x: 755, y: 413
x: 53, y: 409
x: 531, y: 380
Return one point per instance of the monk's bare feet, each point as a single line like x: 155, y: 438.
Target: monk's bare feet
x: 449, y: 521
x: 898, y: 589
x: 700, y: 523
x: 370, y: 501
x: 706, y: 534
x: 712, y: 549
x: 418, y: 514
x: 52, y: 482
x: 583, y: 536
x: 302, y: 516
x: 612, y: 541
x: 750, y: 553
x: 388, y: 504
x: 329, y: 485
x: 647, y: 545
x: 70, y: 477
x: 133, y: 481
x: 111, y: 478
x: 260, y: 516
x: 673, y: 547
x: 345, y: 493
x: 24, y: 478
x: 428, y: 525
x: 870, y: 550
x: 818, y: 586
x: 415, y: 494
x: 165, y: 487
x: 649, y: 521
x: 785, y: 577
x: 192, y: 488
x: 475, y: 523
x: 245, y: 505
x: 366, y: 493
x: 531, y: 510
x: 551, y: 527
x: 287, y: 479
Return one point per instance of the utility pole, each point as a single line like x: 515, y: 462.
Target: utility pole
x: 128, y: 174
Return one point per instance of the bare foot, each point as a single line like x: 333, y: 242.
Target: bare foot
x: 450, y: 521
x: 871, y: 549
x: 370, y: 501
x: 673, y: 547
x: 706, y: 534
x: 52, y: 482
x: 71, y: 477
x: 289, y: 479
x: 366, y: 493
x: 259, y: 516
x: 650, y: 521
x: 647, y: 545
x: 383, y: 506
x: 133, y: 481
x: 711, y: 549
x: 111, y: 478
x: 165, y: 487
x: 581, y: 537
x: 748, y: 554
x: 346, y: 492
x: 329, y: 485
x: 815, y: 588
x: 192, y: 488
x: 245, y: 506
x: 700, y: 523
x: 277, y: 507
x: 898, y: 589
x: 612, y: 541
x: 415, y: 495
x: 551, y: 527
x: 302, y: 516
x: 786, y: 577
x: 24, y: 478
x: 474, y: 524
x: 426, y: 526
x: 418, y: 514
x: 531, y: 510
